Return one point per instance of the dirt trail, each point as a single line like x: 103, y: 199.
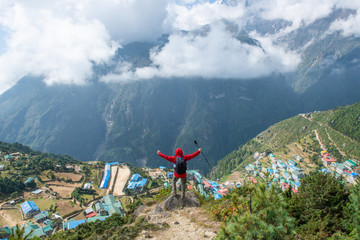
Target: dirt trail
x: 319, y: 140
x: 326, y: 130
x: 341, y: 152
x: 188, y: 223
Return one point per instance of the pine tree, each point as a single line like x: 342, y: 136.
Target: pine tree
x: 319, y: 206
x: 265, y: 216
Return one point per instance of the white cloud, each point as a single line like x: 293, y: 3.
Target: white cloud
x: 61, y: 39
x: 183, y: 17
x: 60, y: 49
x: 216, y: 55
x: 349, y: 26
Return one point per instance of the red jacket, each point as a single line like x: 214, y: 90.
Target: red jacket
x: 179, y: 153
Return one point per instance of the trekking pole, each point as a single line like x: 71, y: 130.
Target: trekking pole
x: 196, y: 144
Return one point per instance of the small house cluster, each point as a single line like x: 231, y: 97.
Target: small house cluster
x: 286, y: 174
x: 345, y: 169
x: 103, y: 208
x: 137, y: 183
x: 206, y: 187
x: 42, y: 225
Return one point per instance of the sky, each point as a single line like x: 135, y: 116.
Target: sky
x: 61, y: 40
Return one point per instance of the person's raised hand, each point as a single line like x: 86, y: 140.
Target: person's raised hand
x: 158, y: 151
x: 199, y: 150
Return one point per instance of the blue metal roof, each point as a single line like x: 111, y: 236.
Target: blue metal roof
x: 142, y: 182
x: 30, y: 179
x: 136, y: 177
x: 132, y: 185
x: 29, y: 206
x: 217, y: 196
x: 113, y: 163
x: 74, y: 224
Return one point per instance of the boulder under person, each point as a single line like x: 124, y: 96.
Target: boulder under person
x: 180, y: 167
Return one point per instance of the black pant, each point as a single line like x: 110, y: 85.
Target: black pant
x: 183, y: 185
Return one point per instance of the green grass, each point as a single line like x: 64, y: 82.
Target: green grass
x: 43, y: 203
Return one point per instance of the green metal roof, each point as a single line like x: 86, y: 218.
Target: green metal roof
x: 351, y: 162
x: 47, y: 228
x: 41, y: 215
x: 6, y: 229
x: 109, y: 199
x: 99, y: 206
x: 38, y: 232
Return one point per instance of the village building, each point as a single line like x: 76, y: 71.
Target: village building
x: 29, y: 208
x: 250, y: 168
x: 253, y: 180
x: 284, y: 186
x: 293, y: 168
x: 100, y: 209
x: 97, y: 218
x: 89, y: 213
x: 109, y: 205
x: 297, y: 175
x: 327, y: 161
x: 70, y: 224
x: 37, y: 191
x: 41, y: 217
x: 272, y: 157
x: 170, y: 175
x: 350, y: 164
x: 106, y: 178
x: 47, y: 230
x: 340, y: 168
x: 34, y: 231
x: 291, y: 162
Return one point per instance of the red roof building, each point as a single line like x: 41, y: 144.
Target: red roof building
x: 223, y: 191
x: 252, y: 179
x: 327, y: 161
x: 91, y: 215
x: 207, y: 184
x: 284, y: 186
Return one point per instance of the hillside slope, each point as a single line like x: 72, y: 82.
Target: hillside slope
x: 336, y: 130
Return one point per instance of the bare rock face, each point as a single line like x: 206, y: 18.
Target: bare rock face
x: 175, y: 202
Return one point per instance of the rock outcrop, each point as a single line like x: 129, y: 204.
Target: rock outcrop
x: 176, y: 202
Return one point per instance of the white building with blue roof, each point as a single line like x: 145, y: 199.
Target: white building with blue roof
x: 30, y: 209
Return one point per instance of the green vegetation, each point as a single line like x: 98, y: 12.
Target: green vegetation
x: 347, y: 121
x: 28, y: 163
x: 257, y: 211
x: 8, y: 185
x: 338, y: 136
x: 114, y: 227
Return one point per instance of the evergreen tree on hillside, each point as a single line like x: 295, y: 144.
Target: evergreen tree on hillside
x: 319, y: 206
x: 353, y: 212
x: 263, y: 215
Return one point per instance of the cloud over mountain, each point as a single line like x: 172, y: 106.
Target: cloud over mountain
x: 62, y: 40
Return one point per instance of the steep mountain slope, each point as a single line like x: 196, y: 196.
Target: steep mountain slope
x: 128, y: 121
x: 337, y: 130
